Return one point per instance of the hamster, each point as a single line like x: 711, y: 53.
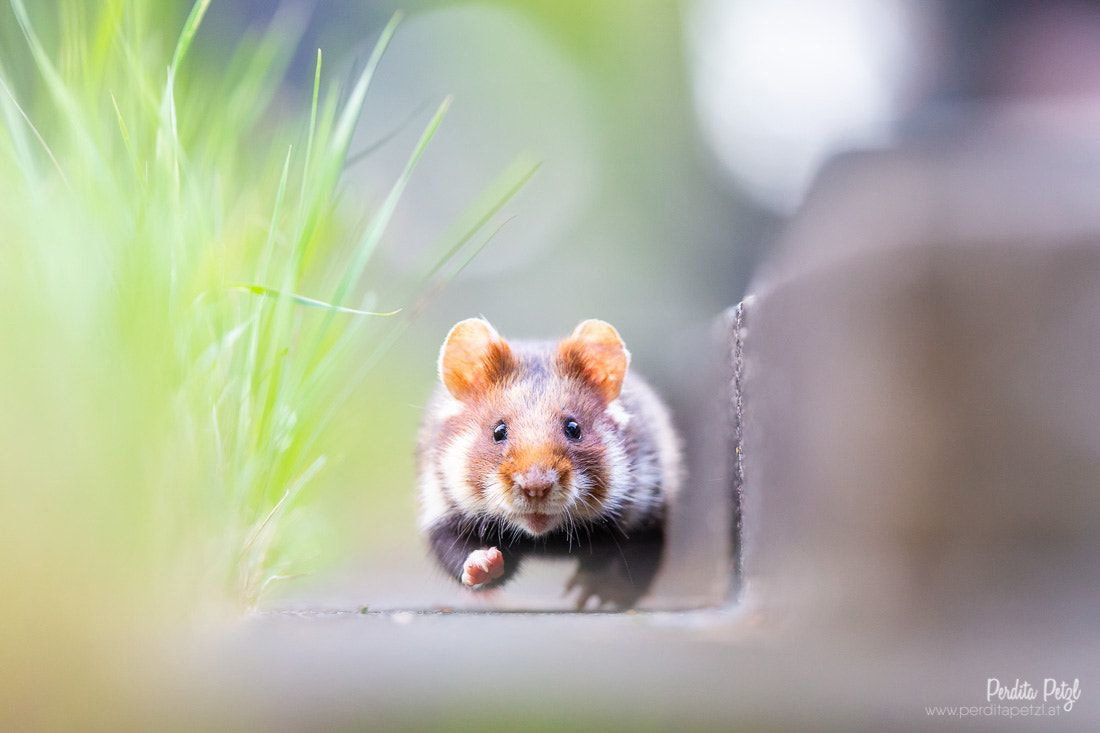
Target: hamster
x: 548, y: 449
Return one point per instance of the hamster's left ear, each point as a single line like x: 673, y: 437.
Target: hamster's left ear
x: 596, y: 353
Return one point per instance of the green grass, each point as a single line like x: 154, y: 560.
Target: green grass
x: 185, y: 294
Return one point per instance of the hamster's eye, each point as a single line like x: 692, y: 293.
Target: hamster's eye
x: 500, y: 432
x: 572, y: 429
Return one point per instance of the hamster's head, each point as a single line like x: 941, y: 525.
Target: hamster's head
x: 533, y: 433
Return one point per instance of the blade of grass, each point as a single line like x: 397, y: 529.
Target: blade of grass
x: 253, y: 364
x: 499, y: 193
x: 310, y: 302
x: 365, y: 152
x: 125, y: 131
x: 168, y: 144
x: 349, y: 119
x: 187, y: 35
x: 287, y: 496
x: 107, y: 30
x: 310, y: 136
x: 382, y: 219
x: 34, y: 130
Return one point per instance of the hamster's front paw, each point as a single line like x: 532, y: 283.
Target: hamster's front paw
x: 483, y: 566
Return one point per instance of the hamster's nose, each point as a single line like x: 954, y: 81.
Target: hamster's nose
x: 536, y: 483
x: 537, y: 490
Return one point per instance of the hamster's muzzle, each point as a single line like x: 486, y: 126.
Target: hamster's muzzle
x: 536, y: 483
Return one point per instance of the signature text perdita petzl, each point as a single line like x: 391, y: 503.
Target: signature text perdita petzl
x: 1057, y: 692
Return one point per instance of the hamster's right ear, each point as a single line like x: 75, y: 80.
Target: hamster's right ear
x: 473, y: 357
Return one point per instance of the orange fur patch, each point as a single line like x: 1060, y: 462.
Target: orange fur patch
x: 473, y: 357
x: 596, y: 354
x: 544, y: 456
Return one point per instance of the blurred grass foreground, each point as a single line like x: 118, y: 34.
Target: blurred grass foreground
x: 185, y: 302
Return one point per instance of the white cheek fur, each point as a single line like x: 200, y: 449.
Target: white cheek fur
x: 579, y: 488
x: 618, y: 465
x: 433, y: 503
x: 455, y: 466
x: 494, y: 491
